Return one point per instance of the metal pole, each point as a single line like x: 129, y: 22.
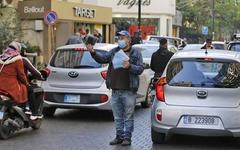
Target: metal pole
x: 213, y: 17
x: 139, y: 19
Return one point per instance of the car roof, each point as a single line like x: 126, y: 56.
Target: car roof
x: 235, y: 41
x: 100, y: 46
x: 166, y: 37
x: 215, y: 54
x: 218, y: 42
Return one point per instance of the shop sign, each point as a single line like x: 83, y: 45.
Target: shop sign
x: 131, y: 3
x: 33, y: 9
x: 146, y: 30
x: 85, y: 12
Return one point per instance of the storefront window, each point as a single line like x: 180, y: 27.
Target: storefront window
x: 149, y: 26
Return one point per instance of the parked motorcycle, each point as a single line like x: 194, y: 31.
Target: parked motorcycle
x: 13, y: 115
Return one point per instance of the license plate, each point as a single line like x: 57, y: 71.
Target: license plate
x: 1, y: 115
x: 200, y: 120
x: 72, y: 98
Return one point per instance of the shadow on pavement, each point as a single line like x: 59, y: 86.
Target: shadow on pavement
x: 198, y: 143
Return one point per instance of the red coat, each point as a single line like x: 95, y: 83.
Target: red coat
x: 13, y: 79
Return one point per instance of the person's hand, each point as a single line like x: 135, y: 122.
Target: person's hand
x: 90, y: 48
x: 126, y: 64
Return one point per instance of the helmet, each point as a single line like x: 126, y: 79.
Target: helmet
x: 23, y: 49
x: 15, y: 45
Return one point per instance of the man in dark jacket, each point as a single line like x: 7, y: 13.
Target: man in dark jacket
x: 208, y: 44
x: 160, y: 58
x: 124, y: 83
x: 76, y: 39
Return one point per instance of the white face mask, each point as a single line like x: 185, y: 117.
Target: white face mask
x: 122, y: 43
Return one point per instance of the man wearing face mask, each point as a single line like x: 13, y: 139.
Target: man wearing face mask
x: 124, y: 83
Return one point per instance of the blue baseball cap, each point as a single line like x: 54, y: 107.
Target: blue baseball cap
x: 123, y: 32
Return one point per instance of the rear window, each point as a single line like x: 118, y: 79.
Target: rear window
x: 74, y: 59
x: 203, y: 74
x: 219, y: 46
x: 235, y: 47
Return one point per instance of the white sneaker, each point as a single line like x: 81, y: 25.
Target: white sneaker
x: 40, y: 116
x: 28, y: 112
x: 33, y: 117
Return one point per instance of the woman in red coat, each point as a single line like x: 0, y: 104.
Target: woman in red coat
x: 12, y: 77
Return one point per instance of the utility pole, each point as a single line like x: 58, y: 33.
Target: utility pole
x: 213, y: 17
x: 139, y: 21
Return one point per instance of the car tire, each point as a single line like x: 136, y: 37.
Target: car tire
x: 48, y: 111
x: 147, y: 102
x: 157, y: 138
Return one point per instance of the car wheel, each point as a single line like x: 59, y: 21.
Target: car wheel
x: 158, y: 138
x: 49, y: 111
x: 147, y: 101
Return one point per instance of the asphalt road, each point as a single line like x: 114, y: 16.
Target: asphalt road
x: 92, y: 130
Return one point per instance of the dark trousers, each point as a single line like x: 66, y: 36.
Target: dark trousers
x: 35, y: 99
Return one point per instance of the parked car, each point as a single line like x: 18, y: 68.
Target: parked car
x: 76, y: 80
x: 234, y: 46
x: 219, y: 45
x: 198, y: 94
x: 192, y: 47
x: 171, y: 40
x: 147, y: 50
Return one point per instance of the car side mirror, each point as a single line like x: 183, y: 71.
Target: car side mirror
x: 146, y: 66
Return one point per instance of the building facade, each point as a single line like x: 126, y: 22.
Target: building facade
x: 157, y: 15
x: 72, y: 16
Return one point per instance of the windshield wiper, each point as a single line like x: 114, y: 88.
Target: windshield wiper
x: 84, y: 66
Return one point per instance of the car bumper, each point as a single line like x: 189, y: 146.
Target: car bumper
x: 101, y: 106
x: 54, y: 101
x: 229, y: 124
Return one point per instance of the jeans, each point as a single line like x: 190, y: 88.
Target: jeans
x: 123, y: 105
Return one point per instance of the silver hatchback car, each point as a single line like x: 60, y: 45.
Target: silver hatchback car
x: 198, y: 94
x: 76, y: 80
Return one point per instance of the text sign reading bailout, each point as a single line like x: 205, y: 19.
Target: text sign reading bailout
x: 85, y: 12
x: 33, y: 9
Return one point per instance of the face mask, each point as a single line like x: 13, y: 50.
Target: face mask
x: 122, y: 44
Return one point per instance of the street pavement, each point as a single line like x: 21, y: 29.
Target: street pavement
x: 92, y: 130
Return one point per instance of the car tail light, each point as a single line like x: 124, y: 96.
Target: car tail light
x: 104, y: 98
x: 159, y: 89
x: 206, y: 59
x: 104, y: 74
x: 44, y: 96
x: 159, y: 114
x: 47, y: 71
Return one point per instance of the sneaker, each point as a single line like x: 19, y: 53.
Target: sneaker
x: 126, y: 142
x: 116, y: 141
x: 33, y: 117
x: 39, y: 116
x: 28, y: 112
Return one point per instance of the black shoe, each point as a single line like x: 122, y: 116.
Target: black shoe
x: 126, y: 142
x: 116, y: 141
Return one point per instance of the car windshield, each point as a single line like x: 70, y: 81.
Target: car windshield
x: 235, y: 47
x: 203, y: 74
x: 192, y: 47
x: 74, y: 59
x: 147, y: 51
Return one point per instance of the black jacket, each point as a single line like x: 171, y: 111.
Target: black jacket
x: 159, y: 60
x: 136, y: 67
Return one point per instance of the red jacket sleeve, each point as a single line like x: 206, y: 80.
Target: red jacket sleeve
x: 20, y: 72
